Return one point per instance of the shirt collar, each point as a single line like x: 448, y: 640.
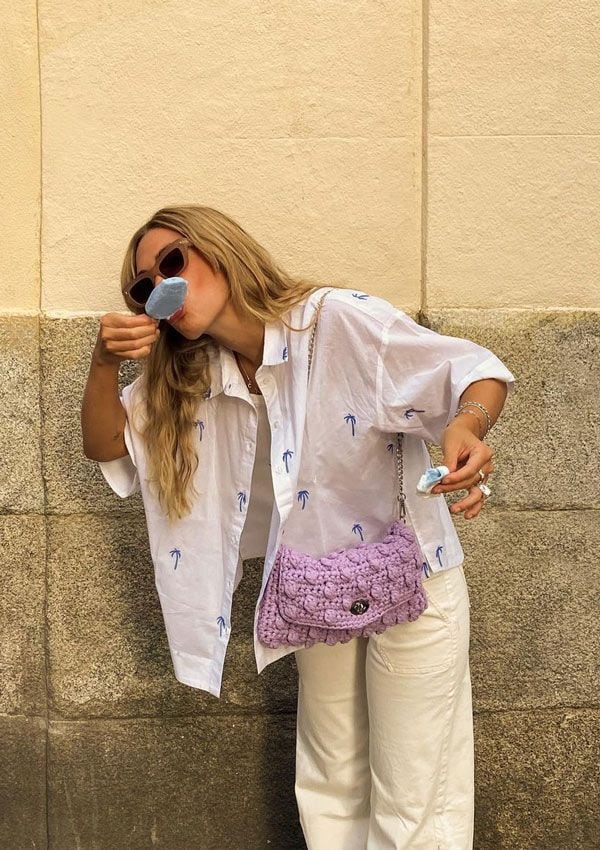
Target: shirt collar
x: 275, y: 348
x: 224, y: 372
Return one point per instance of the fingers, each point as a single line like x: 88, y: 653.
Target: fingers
x: 125, y: 337
x: 122, y: 346
x: 471, y: 504
x: 125, y: 334
x: 487, y: 468
x: 468, y: 474
x: 127, y: 319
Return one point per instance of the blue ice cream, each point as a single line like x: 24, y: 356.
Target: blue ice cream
x: 167, y: 298
x: 429, y: 479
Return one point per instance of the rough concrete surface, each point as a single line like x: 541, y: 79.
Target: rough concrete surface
x: 22, y: 621
x: 21, y: 487
x: 546, y: 440
x: 211, y: 783
x: 74, y: 484
x: 552, y: 417
x: 139, y: 760
x: 108, y: 650
x: 23, y: 783
x: 536, y: 780
x: 534, y: 585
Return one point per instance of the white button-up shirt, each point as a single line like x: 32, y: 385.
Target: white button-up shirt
x: 374, y: 372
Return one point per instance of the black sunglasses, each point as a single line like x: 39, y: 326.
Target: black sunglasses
x: 170, y: 262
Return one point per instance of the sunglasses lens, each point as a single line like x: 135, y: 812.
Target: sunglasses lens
x: 141, y: 289
x: 172, y: 264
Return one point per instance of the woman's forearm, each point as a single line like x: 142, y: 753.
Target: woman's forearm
x: 103, y: 416
x: 489, y: 392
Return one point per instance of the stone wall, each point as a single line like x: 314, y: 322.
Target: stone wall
x: 103, y: 748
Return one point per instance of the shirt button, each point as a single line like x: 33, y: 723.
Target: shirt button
x: 276, y: 423
x: 279, y: 470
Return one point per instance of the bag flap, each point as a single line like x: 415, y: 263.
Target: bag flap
x: 349, y: 588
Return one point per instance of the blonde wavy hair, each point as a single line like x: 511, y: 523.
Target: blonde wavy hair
x: 175, y: 375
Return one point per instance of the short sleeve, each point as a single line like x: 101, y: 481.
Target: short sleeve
x: 422, y: 374
x: 121, y: 474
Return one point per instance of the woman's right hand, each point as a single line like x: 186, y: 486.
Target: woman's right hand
x: 124, y: 337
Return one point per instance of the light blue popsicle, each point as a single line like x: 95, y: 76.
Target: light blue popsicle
x: 167, y: 298
x: 429, y: 479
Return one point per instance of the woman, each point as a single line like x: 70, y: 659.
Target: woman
x: 233, y: 452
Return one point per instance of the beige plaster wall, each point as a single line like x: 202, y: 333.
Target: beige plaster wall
x: 302, y: 120
x: 513, y: 117
x: 442, y: 156
x: 20, y: 207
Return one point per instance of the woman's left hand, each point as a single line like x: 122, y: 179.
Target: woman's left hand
x: 464, y: 455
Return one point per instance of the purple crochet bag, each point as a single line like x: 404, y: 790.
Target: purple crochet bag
x: 347, y: 593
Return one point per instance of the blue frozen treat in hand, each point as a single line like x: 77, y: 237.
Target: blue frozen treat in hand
x: 167, y: 298
x: 429, y: 479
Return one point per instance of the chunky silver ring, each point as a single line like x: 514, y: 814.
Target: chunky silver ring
x: 485, y: 490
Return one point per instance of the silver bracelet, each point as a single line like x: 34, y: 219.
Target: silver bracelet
x: 481, y: 407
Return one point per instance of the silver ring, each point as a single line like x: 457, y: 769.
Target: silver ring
x: 484, y: 489
x: 481, y: 474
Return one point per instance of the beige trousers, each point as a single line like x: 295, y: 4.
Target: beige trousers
x: 384, y: 748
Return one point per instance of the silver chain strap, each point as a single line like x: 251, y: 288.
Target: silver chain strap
x: 311, y: 343
x: 400, y: 501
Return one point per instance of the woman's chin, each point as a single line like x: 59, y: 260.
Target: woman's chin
x: 186, y: 327
x: 190, y: 333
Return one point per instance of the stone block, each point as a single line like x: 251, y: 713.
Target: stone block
x: 23, y: 783
x: 275, y: 689
x: 22, y: 623
x: 107, y: 645
x: 215, y: 783
x: 546, y: 439
x: 536, y: 780
x: 21, y: 486
x: 534, y: 586
x: 74, y: 484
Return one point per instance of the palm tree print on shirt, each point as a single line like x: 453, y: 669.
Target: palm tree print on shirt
x: 357, y: 529
x: 408, y: 414
x: 350, y: 418
x: 390, y: 447
x: 362, y: 296
x: 176, y: 554
x: 242, y: 499
x: 221, y: 625
x: 426, y: 569
x: 303, y: 497
x: 286, y: 457
x: 284, y: 353
x: 438, y: 555
x: 199, y: 424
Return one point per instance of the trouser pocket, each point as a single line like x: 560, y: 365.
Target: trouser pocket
x: 431, y: 642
